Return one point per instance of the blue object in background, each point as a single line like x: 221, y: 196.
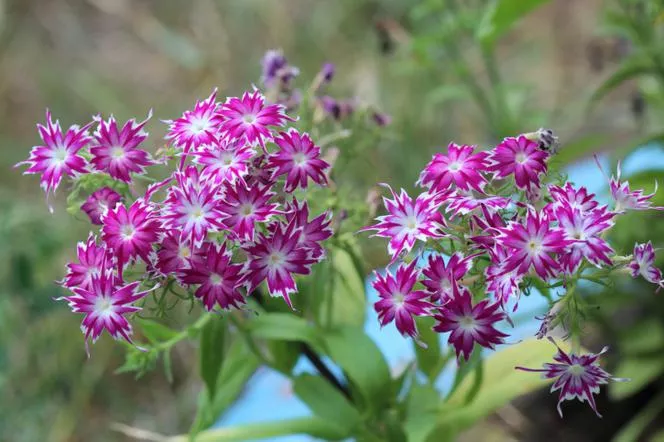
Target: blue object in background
x: 269, y: 394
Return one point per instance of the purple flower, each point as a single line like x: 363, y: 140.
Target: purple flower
x: 408, y: 221
x: 58, y: 156
x: 115, y: 150
x: 643, y: 263
x: 131, y: 233
x: 584, y: 230
x: 299, y: 159
x: 104, y: 304
x: 460, y: 167
x: 244, y: 206
x: 249, y: 118
x: 218, y: 278
x: 522, y: 158
x: 575, y: 198
x: 469, y: 324
x: 225, y: 161
x: 462, y: 203
x: 91, y: 261
x: 532, y: 244
x: 577, y: 376
x: 398, y: 301
x: 312, y: 233
x: 503, y: 283
x: 276, y: 257
x: 174, y: 253
x: 196, y: 127
x: 276, y: 69
x: 99, y: 203
x: 441, y: 280
x: 326, y: 73
x: 193, y: 206
x: 627, y: 199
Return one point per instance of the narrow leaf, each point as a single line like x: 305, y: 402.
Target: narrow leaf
x: 154, y: 331
x: 286, y: 327
x: 212, y: 352
x: 501, y: 15
x: 630, y: 68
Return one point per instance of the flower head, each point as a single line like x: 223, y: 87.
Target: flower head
x: 584, y: 229
x: 131, y: 233
x: 398, y: 301
x: 532, y: 244
x: 218, y: 278
x: 643, y: 263
x: 408, y: 221
x: 503, y: 283
x: 105, y: 303
x: 460, y: 167
x: 470, y: 324
x: 116, y: 151
x: 276, y: 69
x: 58, y: 156
x: 312, y: 233
x: 299, y: 159
x: 92, y: 260
x: 627, y: 199
x: 195, y: 127
x: 249, y: 118
x: 193, y: 206
x: 577, y: 376
x: 276, y: 258
x: 224, y: 161
x: 441, y: 280
x: 99, y: 203
x: 244, y: 206
x: 520, y: 157
x: 572, y: 197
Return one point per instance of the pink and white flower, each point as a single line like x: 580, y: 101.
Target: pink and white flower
x: 105, y: 303
x: 116, y: 151
x: 196, y: 127
x: 218, y: 278
x: 577, y: 376
x: 312, y: 233
x: 59, y: 155
x: 276, y: 258
x: 440, y: 279
x: 533, y: 244
x: 520, y: 157
x: 643, y: 263
x: 568, y: 195
x: 244, y: 206
x: 398, y: 301
x: 99, y: 203
x: 408, y: 221
x: 248, y: 118
x: 224, y: 161
x: 503, y: 283
x: 131, y: 233
x: 176, y: 253
x: 460, y: 167
x: 469, y: 324
x: 627, y: 199
x: 299, y: 159
x: 584, y: 230
x: 91, y: 261
x: 193, y: 206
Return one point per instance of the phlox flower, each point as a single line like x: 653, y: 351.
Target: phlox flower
x: 243, y: 206
x: 312, y: 233
x: 99, y: 203
x: 441, y: 279
x: 460, y: 167
x: 91, y: 261
x: 584, y: 229
x: 520, y: 157
x: 643, y: 263
x: 628, y: 199
x: 299, y: 159
x: 224, y: 161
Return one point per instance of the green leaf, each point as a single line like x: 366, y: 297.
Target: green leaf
x: 285, y: 355
x: 635, y: 427
x: 345, y: 304
x: 501, y: 15
x: 632, y: 67
x: 328, y: 403
x: 312, y: 426
x: 362, y: 362
x: 239, y: 365
x: 501, y: 383
x: 154, y: 331
x: 286, y: 327
x: 421, y: 411
x: 429, y: 358
x: 212, y: 352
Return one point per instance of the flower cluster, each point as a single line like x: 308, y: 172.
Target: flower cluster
x: 488, y: 226
x: 228, y: 217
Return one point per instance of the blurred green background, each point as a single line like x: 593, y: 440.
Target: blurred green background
x: 82, y: 57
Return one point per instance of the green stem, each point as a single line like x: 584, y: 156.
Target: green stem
x: 185, y: 333
x: 246, y: 335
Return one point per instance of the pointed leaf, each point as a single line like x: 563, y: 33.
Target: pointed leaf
x: 632, y: 67
x: 212, y: 352
x: 286, y: 327
x: 501, y: 15
x: 154, y: 331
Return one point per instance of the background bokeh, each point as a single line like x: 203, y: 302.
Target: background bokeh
x: 82, y: 57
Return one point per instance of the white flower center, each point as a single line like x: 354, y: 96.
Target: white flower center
x: 455, y: 166
x: 226, y: 159
x: 467, y: 323
x: 411, y: 222
x: 104, y: 305
x: 534, y: 247
x: 216, y: 279
x: 445, y: 284
x: 576, y: 369
x: 521, y: 157
x: 246, y: 209
x: 59, y: 155
x: 196, y: 212
x: 300, y: 159
x: 199, y: 125
x: 398, y: 299
x: 249, y: 118
x: 127, y: 232
x: 117, y: 152
x: 275, y: 259
x: 184, y: 252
